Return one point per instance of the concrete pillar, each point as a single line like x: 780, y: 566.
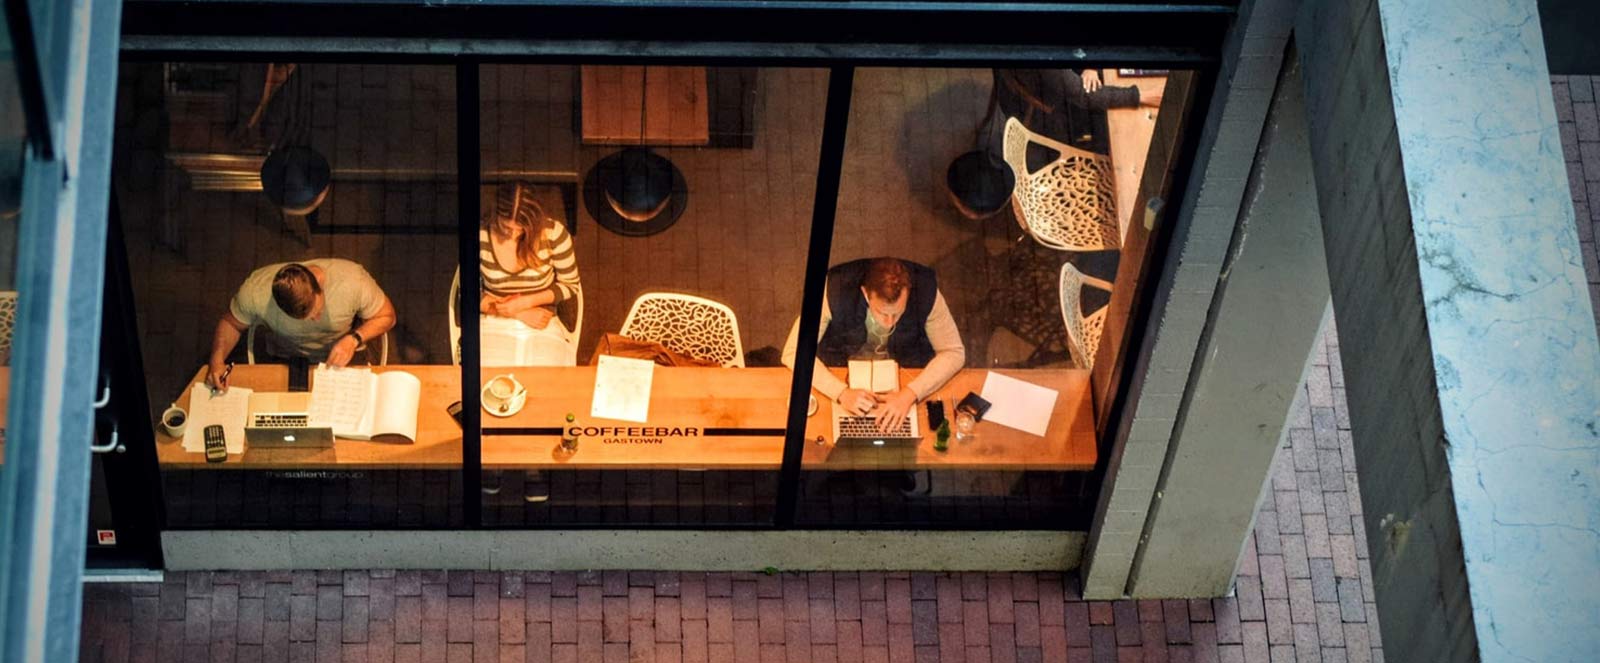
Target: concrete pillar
x: 1469, y: 348
x: 1202, y: 232
x: 1270, y: 303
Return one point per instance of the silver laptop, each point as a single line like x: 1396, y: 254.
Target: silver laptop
x: 283, y: 420
x: 863, y: 430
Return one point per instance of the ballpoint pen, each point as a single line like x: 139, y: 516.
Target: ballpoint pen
x: 224, y: 379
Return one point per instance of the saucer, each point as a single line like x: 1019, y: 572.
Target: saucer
x: 514, y: 406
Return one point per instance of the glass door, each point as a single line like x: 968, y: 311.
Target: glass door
x: 125, y: 512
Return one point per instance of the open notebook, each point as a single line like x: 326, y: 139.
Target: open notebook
x: 875, y: 375
x: 361, y: 405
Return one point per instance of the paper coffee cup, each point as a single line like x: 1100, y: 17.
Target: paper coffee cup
x: 174, y: 420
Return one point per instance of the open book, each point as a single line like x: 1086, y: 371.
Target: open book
x: 875, y: 375
x: 361, y: 405
x: 508, y: 342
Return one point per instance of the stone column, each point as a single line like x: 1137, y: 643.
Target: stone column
x: 1468, y: 340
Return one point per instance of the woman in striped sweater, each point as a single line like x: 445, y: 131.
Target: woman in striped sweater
x: 526, y: 261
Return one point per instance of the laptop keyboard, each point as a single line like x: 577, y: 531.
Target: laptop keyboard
x: 281, y: 421
x: 867, y: 426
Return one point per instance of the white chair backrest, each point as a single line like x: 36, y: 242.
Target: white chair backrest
x: 1083, y: 332
x: 454, y: 317
x: 1070, y: 204
x: 694, y: 326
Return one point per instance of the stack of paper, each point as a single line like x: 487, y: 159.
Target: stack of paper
x: 228, y: 410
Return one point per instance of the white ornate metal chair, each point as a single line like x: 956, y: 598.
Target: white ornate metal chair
x: 1070, y: 204
x: 8, y: 324
x: 698, y: 327
x: 1083, y: 332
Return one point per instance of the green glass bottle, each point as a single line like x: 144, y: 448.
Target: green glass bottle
x: 941, y: 438
x: 569, y: 434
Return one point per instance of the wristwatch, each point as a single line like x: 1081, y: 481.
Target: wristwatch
x: 360, y: 342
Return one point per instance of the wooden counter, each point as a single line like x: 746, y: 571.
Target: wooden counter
x: 1131, y: 130
x: 438, y: 446
x: 725, y: 419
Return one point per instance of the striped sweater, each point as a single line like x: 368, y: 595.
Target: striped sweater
x: 557, y: 270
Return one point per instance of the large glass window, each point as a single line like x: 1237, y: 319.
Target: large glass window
x: 278, y: 216
x: 641, y: 251
x: 640, y: 260
x: 990, y: 234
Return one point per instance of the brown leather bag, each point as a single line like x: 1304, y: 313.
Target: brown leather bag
x: 618, y: 345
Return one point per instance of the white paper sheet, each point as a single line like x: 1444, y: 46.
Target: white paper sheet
x: 229, y: 410
x: 1017, y: 404
x: 622, y: 388
x: 341, y: 399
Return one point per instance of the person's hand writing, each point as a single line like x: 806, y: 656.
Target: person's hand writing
x: 215, y: 378
x: 537, y: 317
x: 1091, y: 80
x: 857, y: 401
x: 893, y: 409
x: 342, y: 351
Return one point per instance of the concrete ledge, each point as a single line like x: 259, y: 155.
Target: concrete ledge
x: 625, y: 549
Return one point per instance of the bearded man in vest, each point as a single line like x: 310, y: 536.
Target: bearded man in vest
x: 883, y: 308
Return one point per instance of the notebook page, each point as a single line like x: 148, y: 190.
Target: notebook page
x: 885, y: 376
x: 340, y: 398
x: 622, y: 388
x: 230, y: 410
x: 399, y: 394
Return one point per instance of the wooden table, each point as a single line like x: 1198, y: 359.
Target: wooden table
x: 700, y: 418
x: 645, y: 105
x: 438, y: 446
x: 1131, y: 131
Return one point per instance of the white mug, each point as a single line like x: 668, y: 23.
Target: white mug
x: 501, y: 389
x: 171, y: 414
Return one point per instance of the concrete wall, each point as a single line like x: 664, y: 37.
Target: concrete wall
x: 667, y: 550
x: 1271, y: 300
x: 1202, y: 232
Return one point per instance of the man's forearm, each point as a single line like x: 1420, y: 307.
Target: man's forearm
x: 372, y: 329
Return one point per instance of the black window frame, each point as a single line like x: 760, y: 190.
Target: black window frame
x: 798, y: 33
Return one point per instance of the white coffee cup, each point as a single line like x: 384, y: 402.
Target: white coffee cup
x: 501, y: 390
x: 174, y: 420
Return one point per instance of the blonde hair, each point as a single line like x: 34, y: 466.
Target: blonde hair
x: 515, y: 207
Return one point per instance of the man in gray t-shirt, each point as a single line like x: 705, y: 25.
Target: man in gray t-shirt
x: 322, y: 310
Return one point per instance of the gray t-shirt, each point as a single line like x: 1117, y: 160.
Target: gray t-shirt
x: 348, y: 291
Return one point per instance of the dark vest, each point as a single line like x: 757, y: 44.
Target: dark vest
x: 847, y: 331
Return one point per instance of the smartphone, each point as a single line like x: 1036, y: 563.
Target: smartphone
x: 455, y: 412
x: 935, y: 414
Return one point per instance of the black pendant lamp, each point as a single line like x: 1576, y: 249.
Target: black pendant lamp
x: 635, y: 192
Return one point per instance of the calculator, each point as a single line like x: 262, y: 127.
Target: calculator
x: 216, y: 446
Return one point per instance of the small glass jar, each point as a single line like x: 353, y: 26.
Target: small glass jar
x: 966, y: 426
